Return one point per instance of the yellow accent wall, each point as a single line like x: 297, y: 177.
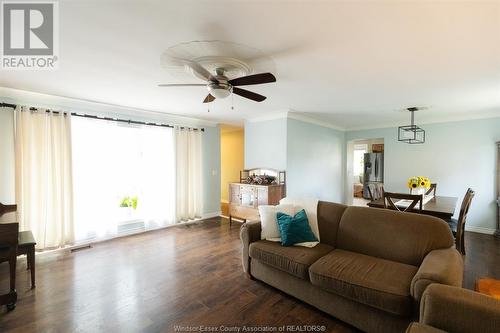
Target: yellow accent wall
x: 232, y: 159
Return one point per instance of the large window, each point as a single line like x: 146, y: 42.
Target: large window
x: 124, y: 178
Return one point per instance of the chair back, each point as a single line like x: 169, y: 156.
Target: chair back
x: 9, y: 237
x: 9, y: 234
x: 432, y: 189
x: 7, y: 208
x: 464, y: 210
x: 375, y: 191
x: 390, y: 200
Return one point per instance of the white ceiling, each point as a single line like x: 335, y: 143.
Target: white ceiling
x: 352, y: 64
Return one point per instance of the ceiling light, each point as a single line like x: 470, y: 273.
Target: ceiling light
x: 219, y: 89
x: 411, y: 134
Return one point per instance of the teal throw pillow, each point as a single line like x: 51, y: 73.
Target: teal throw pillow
x: 294, y: 229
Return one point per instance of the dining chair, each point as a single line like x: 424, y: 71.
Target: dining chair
x: 9, y: 233
x: 375, y: 191
x: 432, y: 189
x: 7, y: 208
x: 26, y: 244
x: 458, y: 226
x: 391, y: 199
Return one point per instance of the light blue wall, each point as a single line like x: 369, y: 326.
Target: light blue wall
x: 456, y: 155
x: 314, y: 161
x: 311, y: 155
x: 211, y: 170
x: 265, y: 144
x: 7, y: 158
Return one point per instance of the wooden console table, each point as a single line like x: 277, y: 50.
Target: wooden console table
x: 245, y: 197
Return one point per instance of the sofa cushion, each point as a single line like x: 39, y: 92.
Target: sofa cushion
x: 329, y: 215
x: 377, y: 282
x: 294, y: 260
x: 372, y: 231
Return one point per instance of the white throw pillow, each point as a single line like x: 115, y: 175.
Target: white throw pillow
x: 269, y: 222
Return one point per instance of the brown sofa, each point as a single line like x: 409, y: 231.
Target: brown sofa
x: 370, y: 269
x: 455, y: 310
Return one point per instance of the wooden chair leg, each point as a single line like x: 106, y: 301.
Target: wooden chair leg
x: 31, y: 260
x: 12, y: 271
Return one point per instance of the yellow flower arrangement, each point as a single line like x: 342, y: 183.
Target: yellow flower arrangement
x: 413, y: 182
x: 416, y: 182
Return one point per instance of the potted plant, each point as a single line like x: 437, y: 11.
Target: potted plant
x: 128, y: 205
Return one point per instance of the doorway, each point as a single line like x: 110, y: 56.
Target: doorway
x: 232, y: 145
x: 365, y: 169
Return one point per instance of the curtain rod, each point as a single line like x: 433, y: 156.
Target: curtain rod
x: 128, y: 121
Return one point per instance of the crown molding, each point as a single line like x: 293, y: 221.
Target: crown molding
x: 289, y: 114
x: 436, y: 120
x: 279, y: 114
x: 314, y: 121
x: 25, y: 97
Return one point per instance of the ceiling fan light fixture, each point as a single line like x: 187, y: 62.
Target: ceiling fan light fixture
x: 411, y: 134
x: 219, y: 90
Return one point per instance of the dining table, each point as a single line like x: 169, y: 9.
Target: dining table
x: 439, y: 206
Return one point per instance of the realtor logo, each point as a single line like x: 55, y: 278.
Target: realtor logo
x: 30, y: 35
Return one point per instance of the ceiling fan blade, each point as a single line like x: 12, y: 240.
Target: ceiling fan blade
x: 248, y: 94
x: 209, y: 99
x: 200, y: 70
x: 253, y: 79
x: 182, y: 85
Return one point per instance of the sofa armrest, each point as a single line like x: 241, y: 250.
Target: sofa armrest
x: 443, y: 266
x: 249, y: 232
x: 421, y: 328
x: 457, y: 310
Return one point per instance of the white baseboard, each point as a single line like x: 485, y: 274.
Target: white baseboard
x: 481, y: 230
x: 210, y: 215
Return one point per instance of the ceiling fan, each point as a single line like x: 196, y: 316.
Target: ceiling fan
x: 219, y: 86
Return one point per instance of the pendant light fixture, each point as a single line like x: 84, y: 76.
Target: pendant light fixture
x: 411, y: 134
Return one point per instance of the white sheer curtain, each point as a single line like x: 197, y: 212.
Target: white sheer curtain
x: 113, y: 162
x: 44, y: 188
x: 188, y: 174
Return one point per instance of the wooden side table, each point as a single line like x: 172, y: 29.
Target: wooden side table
x: 27, y: 246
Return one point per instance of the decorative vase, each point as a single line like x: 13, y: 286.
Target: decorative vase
x: 418, y: 190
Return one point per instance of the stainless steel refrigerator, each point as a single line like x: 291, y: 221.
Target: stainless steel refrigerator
x: 373, y: 171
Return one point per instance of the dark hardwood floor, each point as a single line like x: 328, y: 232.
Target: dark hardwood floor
x: 186, y: 275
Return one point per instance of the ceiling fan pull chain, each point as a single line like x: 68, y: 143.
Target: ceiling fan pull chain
x: 232, y: 100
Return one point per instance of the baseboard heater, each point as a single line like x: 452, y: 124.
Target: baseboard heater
x: 80, y: 248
